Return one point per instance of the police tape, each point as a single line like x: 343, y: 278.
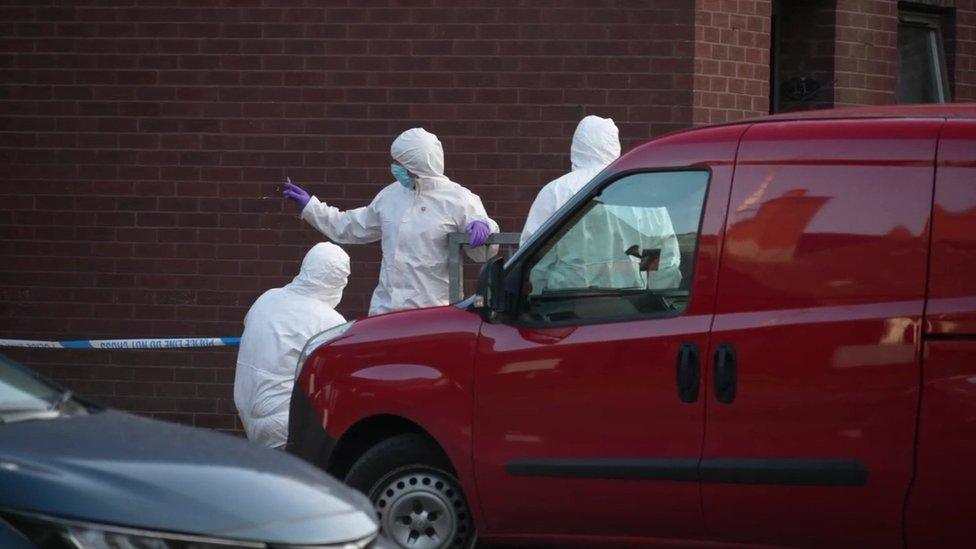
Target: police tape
x: 164, y: 343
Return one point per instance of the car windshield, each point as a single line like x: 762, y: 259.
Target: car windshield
x: 22, y: 391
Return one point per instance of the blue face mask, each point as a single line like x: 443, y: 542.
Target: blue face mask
x: 402, y: 175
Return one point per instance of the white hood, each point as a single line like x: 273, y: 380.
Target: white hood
x: 420, y: 152
x: 596, y: 143
x: 325, y: 271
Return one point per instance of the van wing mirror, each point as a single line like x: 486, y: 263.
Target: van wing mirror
x: 490, y: 296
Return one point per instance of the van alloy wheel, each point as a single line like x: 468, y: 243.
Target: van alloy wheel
x: 423, y: 508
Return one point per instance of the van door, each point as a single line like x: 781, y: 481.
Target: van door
x: 941, y: 506
x: 814, y: 363
x: 588, y: 413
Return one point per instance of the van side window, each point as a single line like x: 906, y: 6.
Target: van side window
x: 627, y: 253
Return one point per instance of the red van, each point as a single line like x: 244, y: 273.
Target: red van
x: 805, y: 375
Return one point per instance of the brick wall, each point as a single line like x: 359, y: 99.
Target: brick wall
x: 731, y: 79
x: 139, y: 142
x: 866, y: 53
x: 851, y: 47
x: 961, y: 50
x: 866, y: 59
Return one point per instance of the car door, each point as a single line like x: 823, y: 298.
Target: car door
x: 588, y: 419
x: 815, y: 358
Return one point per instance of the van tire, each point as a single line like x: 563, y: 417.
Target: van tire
x: 408, y: 476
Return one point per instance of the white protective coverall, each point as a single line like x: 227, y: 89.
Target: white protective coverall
x: 592, y: 253
x: 276, y: 329
x: 596, y: 143
x: 413, y: 225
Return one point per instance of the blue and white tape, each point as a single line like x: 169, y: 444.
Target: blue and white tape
x: 164, y: 343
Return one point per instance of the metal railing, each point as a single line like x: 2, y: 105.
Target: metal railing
x: 508, y: 243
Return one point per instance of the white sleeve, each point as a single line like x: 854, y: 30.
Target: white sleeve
x: 542, y: 209
x: 359, y: 226
x: 668, y: 275
x: 474, y: 210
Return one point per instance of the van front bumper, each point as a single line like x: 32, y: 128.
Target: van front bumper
x: 306, y: 437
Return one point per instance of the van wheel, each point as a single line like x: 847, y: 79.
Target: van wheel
x: 419, y: 504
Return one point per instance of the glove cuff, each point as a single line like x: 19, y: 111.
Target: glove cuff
x: 310, y: 206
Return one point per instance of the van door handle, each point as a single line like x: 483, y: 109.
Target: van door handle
x: 688, y: 372
x: 726, y: 373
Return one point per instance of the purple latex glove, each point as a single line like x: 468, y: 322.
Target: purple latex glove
x: 478, y: 232
x: 296, y: 193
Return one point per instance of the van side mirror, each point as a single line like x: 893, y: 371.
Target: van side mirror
x: 489, y: 298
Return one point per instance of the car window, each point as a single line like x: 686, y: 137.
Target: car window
x: 19, y: 390
x: 629, y: 252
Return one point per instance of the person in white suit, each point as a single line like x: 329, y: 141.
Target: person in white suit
x: 594, y: 253
x: 596, y: 143
x: 411, y: 217
x: 276, y: 328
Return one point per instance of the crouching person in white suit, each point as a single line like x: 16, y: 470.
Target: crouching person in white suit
x: 275, y: 331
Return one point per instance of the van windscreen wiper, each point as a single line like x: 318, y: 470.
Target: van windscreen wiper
x: 586, y: 292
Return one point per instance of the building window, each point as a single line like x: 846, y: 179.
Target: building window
x: 921, y: 59
x: 802, y: 51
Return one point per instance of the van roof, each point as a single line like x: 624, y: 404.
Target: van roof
x: 938, y: 110
x: 941, y: 110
